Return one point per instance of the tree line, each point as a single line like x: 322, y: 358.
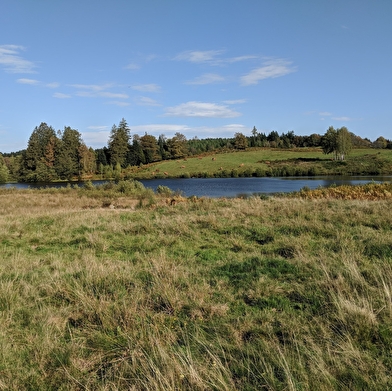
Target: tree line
x: 63, y: 155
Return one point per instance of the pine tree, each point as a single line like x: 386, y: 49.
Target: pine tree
x: 68, y: 160
x: 119, y: 143
x: 3, y: 170
x: 150, y: 148
x: 37, y: 160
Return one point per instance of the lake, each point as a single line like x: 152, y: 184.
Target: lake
x: 233, y: 187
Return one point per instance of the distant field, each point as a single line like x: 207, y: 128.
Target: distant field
x: 272, y: 162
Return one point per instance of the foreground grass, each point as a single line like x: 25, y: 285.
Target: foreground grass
x: 119, y: 292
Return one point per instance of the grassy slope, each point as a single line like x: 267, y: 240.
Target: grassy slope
x: 275, y: 162
x: 277, y: 294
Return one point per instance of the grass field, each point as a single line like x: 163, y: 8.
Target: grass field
x: 127, y: 290
x: 270, y: 162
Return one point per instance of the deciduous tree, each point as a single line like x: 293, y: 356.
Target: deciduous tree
x: 240, y: 141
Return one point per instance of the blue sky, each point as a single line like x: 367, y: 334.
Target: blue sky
x: 205, y: 68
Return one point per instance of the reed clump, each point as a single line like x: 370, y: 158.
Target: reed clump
x: 199, y: 294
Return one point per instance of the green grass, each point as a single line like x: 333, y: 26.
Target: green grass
x: 204, y: 294
x: 270, y: 162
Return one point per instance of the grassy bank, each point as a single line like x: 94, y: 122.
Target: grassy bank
x: 263, y: 162
x: 130, y: 290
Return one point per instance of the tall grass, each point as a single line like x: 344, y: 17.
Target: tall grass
x: 200, y: 294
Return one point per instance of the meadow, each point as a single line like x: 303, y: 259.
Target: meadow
x: 118, y: 288
x: 261, y: 162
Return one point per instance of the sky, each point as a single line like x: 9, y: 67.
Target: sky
x: 204, y: 68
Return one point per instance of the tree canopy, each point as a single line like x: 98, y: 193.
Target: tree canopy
x: 337, y: 141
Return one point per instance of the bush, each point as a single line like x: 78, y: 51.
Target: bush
x: 165, y: 191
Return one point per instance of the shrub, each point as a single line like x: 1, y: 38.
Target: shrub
x: 164, y: 190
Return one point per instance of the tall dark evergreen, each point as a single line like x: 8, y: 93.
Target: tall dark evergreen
x: 136, y: 154
x: 3, y: 170
x: 118, y: 144
x: 37, y: 162
x: 150, y: 149
x: 68, y: 159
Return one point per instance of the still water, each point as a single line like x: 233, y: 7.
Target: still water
x: 232, y: 187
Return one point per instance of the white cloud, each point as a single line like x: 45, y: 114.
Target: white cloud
x: 199, y: 56
x: 207, y: 78
x: 242, y: 58
x: 101, y: 94
x: 202, y: 110
x: 211, y: 57
x: 96, y: 139
x: 325, y: 114
x: 92, y: 87
x: 98, y: 91
x: 12, y: 62
x: 53, y: 85
x: 60, y: 95
x: 270, y: 69
x: 28, y: 81
x: 342, y: 118
x: 120, y: 103
x: 146, y: 87
x: 145, y: 101
x: 98, y: 127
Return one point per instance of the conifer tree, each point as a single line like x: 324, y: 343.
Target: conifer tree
x: 119, y: 143
x: 38, y: 158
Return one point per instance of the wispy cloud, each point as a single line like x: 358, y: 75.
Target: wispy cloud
x: 13, y: 62
x: 242, y: 58
x: 28, y: 81
x: 145, y: 101
x: 325, y: 114
x: 207, y: 78
x: 198, y: 56
x: 92, y: 87
x: 52, y: 85
x: 211, y: 57
x: 34, y: 82
x: 102, y: 94
x: 201, y: 110
x: 96, y: 128
x: 342, y: 118
x: 132, y: 66
x: 146, y: 87
x: 270, y: 69
x: 97, y: 91
x: 60, y: 95
x: 120, y: 103
x: 141, y: 59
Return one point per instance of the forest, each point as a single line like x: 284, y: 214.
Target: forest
x: 62, y: 155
